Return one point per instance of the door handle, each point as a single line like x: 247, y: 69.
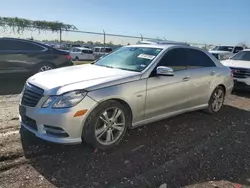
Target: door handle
x: 212, y: 73
x: 186, y: 78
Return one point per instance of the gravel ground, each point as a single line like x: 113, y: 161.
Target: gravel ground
x: 190, y: 150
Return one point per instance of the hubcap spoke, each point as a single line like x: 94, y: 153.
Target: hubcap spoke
x: 104, y: 117
x: 100, y: 130
x: 109, y: 135
x: 116, y: 114
x: 219, y: 93
x: 117, y: 127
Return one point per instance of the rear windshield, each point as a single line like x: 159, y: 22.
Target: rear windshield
x: 242, y: 56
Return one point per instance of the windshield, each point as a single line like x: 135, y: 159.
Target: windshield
x: 223, y: 48
x: 130, y: 58
x: 242, y: 55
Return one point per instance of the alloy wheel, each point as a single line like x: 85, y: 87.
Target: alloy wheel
x: 45, y: 68
x: 217, y: 100
x: 110, y: 126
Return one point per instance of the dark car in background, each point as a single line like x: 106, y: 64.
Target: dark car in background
x: 26, y: 57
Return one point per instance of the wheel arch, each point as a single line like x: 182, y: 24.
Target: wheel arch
x: 123, y: 102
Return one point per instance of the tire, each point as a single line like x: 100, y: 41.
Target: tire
x: 76, y: 58
x: 98, y: 133
x: 219, y: 100
x: 45, y: 67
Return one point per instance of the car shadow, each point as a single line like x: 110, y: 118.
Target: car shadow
x: 242, y: 93
x: 188, y: 149
x: 10, y: 85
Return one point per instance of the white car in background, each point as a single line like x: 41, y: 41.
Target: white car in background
x: 80, y: 53
x: 225, y: 52
x: 101, y: 51
x: 240, y: 66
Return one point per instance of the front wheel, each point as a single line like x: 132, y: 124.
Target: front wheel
x: 106, y: 125
x: 216, y: 100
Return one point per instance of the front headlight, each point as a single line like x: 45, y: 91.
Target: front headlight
x: 66, y: 100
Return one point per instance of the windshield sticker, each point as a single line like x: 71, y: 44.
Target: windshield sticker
x: 145, y: 56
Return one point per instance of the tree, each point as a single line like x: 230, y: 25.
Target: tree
x: 89, y: 42
x: 243, y: 44
x: 110, y: 43
x: 18, y: 25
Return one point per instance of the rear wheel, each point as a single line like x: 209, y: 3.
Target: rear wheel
x: 216, y: 100
x: 76, y: 58
x: 45, y: 67
x: 106, y: 125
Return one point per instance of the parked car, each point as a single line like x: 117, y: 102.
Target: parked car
x: 240, y: 65
x: 101, y: 51
x: 80, y: 53
x: 133, y: 86
x: 225, y: 52
x: 29, y: 57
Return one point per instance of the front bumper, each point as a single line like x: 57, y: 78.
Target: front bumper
x: 242, y: 84
x: 57, y: 125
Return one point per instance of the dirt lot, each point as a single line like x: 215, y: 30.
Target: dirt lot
x: 191, y: 150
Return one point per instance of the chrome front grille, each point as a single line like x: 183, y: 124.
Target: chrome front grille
x: 31, y: 95
x: 240, y: 72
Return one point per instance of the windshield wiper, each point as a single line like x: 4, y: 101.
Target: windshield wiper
x: 104, y: 66
x: 126, y: 69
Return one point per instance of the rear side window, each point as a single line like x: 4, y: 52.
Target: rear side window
x: 87, y: 51
x: 107, y: 50
x: 97, y: 49
x: 175, y: 58
x: 19, y: 45
x: 197, y: 59
x: 237, y: 49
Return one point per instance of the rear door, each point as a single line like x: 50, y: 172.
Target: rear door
x: 201, y: 72
x: 90, y: 55
x: 85, y: 55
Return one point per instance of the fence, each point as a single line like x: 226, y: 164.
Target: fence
x: 107, y: 39
x: 88, y: 38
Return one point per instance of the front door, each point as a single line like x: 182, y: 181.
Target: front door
x: 167, y: 94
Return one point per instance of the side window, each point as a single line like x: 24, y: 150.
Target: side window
x: 175, y: 58
x: 237, y: 49
x: 20, y: 46
x: 107, y: 50
x: 102, y: 49
x: 87, y: 51
x: 197, y: 59
x: 2, y: 47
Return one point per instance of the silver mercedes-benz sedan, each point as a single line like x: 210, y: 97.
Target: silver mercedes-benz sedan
x: 133, y: 86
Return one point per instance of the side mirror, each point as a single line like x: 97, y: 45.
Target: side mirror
x: 164, y: 71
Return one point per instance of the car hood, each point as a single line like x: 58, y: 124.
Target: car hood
x: 219, y: 52
x: 88, y: 77
x: 236, y: 63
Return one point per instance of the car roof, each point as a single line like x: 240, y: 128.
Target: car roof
x: 26, y: 40
x: 102, y: 47
x: 162, y: 46
x: 82, y: 48
x: 159, y: 41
